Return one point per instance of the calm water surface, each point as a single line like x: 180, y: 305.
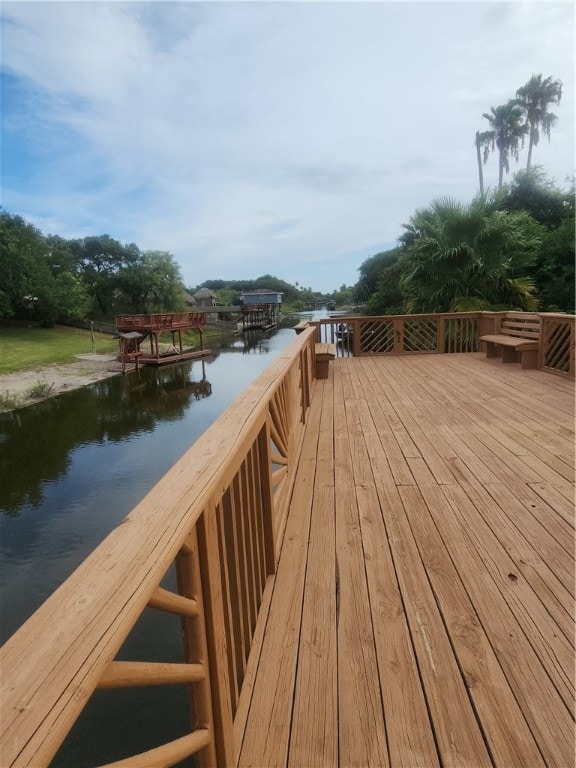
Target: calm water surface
x: 71, y: 468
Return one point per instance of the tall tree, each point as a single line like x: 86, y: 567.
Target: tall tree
x: 33, y: 284
x: 100, y: 261
x: 535, y: 97
x: 21, y: 250
x: 532, y: 191
x: 152, y: 284
x: 483, y: 141
x: 507, y: 132
x: 370, y: 272
x: 553, y: 208
x: 388, y: 298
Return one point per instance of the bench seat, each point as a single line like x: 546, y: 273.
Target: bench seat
x: 323, y: 353
x: 514, y: 349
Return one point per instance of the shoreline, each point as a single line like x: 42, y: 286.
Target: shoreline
x: 52, y: 380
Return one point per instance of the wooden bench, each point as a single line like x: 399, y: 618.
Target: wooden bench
x: 516, y: 342
x: 323, y: 354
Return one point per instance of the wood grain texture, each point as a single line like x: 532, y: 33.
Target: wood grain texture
x: 449, y: 620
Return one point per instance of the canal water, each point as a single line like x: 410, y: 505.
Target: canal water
x: 71, y: 468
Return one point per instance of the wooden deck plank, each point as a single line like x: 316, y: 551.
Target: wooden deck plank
x: 362, y: 732
x: 525, y: 428
x: 266, y: 738
x: 545, y: 711
x: 436, y: 583
x: 548, y: 534
x: 507, y: 734
x: 409, y: 730
x: 563, y: 506
x: 488, y: 556
x: 554, y: 649
x: 459, y: 739
x: 547, y: 555
x: 314, y: 736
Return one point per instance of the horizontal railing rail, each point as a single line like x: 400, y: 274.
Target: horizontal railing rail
x: 218, y: 514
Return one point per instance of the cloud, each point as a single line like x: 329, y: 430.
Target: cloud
x: 262, y: 137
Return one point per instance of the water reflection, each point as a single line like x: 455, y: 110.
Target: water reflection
x: 251, y: 341
x: 165, y: 388
x: 112, y: 410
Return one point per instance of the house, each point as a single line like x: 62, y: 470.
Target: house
x: 260, y: 297
x: 205, y: 298
x: 189, y: 300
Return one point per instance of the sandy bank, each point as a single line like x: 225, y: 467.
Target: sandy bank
x: 15, y: 388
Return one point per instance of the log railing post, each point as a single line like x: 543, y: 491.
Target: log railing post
x: 210, y: 567
x: 195, y: 646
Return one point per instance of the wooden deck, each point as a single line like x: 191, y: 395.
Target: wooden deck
x: 422, y: 611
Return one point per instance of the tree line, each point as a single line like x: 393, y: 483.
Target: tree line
x: 228, y: 291
x: 51, y: 279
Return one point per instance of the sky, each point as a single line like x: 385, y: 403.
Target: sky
x: 247, y: 138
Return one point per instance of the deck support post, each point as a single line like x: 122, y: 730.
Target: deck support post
x: 441, y: 339
x: 398, y: 326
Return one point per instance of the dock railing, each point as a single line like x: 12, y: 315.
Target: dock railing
x: 452, y: 332
x: 219, y: 515
x: 168, y: 321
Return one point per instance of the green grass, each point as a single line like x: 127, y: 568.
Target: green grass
x: 23, y: 349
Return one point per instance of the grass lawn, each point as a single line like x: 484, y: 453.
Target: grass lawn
x: 24, y: 349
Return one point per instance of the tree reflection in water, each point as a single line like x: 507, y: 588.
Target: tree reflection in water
x: 36, y: 442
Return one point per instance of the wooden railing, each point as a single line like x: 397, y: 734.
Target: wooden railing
x: 401, y: 334
x: 557, y: 343
x: 218, y: 514
x: 444, y: 333
x: 161, y: 322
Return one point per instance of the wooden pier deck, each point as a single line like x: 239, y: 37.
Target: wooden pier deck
x: 422, y: 612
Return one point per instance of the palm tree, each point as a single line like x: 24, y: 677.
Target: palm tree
x: 507, y: 131
x: 460, y: 258
x: 535, y: 98
x: 483, y: 141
